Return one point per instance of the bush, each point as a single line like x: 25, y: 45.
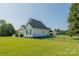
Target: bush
x: 21, y: 35
x: 7, y: 30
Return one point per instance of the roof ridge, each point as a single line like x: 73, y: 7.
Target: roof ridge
x: 37, y: 24
x: 34, y: 19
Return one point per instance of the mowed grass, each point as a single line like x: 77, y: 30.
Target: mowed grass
x: 59, y: 46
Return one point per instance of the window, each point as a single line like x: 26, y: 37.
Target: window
x: 26, y: 31
x: 30, y: 31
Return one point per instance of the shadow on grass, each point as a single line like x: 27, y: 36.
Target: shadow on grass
x: 76, y: 38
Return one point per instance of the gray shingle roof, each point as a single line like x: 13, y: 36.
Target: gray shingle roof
x: 37, y: 24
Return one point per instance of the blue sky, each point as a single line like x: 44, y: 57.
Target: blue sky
x: 51, y: 14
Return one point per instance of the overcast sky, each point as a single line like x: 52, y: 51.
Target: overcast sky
x: 52, y: 15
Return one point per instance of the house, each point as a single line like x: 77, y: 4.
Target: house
x: 33, y: 28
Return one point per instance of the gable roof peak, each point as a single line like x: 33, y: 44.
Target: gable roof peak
x: 32, y: 19
x: 36, y: 24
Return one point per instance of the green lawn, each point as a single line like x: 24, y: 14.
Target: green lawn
x: 61, y: 45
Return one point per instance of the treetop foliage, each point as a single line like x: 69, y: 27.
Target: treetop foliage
x: 73, y: 19
x: 6, y: 29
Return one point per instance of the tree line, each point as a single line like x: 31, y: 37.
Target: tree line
x: 73, y: 20
x: 6, y: 29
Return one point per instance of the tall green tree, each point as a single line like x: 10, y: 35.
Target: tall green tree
x: 7, y: 29
x: 10, y: 30
x: 73, y: 19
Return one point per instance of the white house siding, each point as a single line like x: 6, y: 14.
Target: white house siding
x: 28, y: 28
x: 21, y: 31
x: 37, y: 32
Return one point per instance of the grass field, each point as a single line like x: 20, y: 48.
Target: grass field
x: 61, y: 45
